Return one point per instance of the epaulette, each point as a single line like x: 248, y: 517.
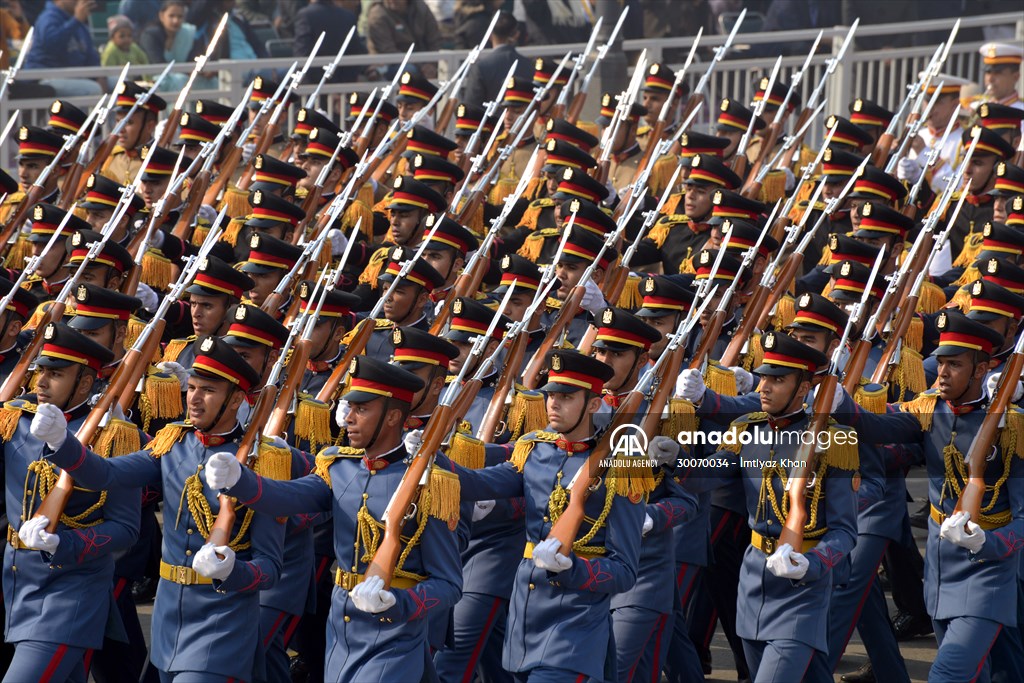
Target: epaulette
x: 11, y: 413
x: 118, y: 149
x: 15, y: 198
x: 542, y: 203
x: 443, y: 492
x: 466, y: 450
x: 373, y: 268
x: 533, y: 211
x: 552, y: 302
x: 922, y: 407
x: 534, y: 243
x: 524, y: 446
x: 167, y: 437
x: 631, y: 482
x: 682, y: 417
x: 731, y: 439
x: 327, y: 456
x: 382, y: 324
x: 1011, y: 438
x: 233, y: 229
x: 842, y: 454
x: 932, y: 298
x: 969, y: 252
x: 871, y: 397
x: 273, y: 462
x: 118, y: 438
x: 176, y: 346
x: 313, y: 421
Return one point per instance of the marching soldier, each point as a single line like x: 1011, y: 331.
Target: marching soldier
x: 71, y: 565
x: 470, y: 319
x: 626, y: 153
x: 733, y: 121
x: 199, y: 582
x: 46, y: 282
x: 374, y: 633
x: 446, y: 253
x: 581, y: 249
x: 414, y: 92
x: 268, y: 262
x: 14, y: 317
x: 102, y: 315
x: 872, y: 118
x: 1003, y: 119
x: 37, y: 148
x: 407, y: 304
x: 101, y: 198
x: 334, y: 321
x: 125, y: 160
x: 946, y: 107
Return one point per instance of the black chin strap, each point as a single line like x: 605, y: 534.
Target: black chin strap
x: 380, y: 424
x: 223, y: 407
x: 323, y: 349
x: 78, y: 379
x: 583, y: 414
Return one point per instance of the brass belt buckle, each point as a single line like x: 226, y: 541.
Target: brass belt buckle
x: 768, y: 545
x: 183, y: 575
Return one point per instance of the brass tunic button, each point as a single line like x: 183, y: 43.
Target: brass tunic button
x: 546, y: 518
x: 188, y: 553
x: 532, y: 586
x: 347, y: 618
x: 188, y: 531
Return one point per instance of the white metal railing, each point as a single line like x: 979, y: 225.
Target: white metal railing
x: 880, y: 75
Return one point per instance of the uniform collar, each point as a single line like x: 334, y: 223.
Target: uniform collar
x: 969, y: 406
x: 573, y: 447
x: 382, y: 461
x: 214, y: 440
x: 777, y: 423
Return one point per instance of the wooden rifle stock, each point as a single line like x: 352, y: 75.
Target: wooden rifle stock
x: 981, y: 447
x: 806, y: 457
x: 127, y: 396
x: 666, y: 386
x: 279, y: 418
x: 710, y: 336
x: 786, y: 275
x: 224, y: 173
x: 855, y: 366
x: 67, y: 188
x: 489, y: 424
x: 382, y: 166
x: 747, y: 326
x: 170, y: 128
x: 127, y: 375
x: 184, y: 227
x: 106, y: 147
x: 310, y: 204
x: 567, y: 527
x: 445, y: 116
x: 355, y: 347
x: 881, y: 151
x: 899, y: 329
x: 575, y: 108
x: 565, y: 316
x: 465, y: 285
x: 787, y: 157
x: 767, y: 145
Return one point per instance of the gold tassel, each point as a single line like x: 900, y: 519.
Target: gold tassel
x: 357, y: 210
x: 527, y: 413
x: 372, y: 271
x: 914, y: 338
x: 661, y: 174
x: 755, y: 353
x: 631, y: 298
x: 826, y: 256
x: 467, y: 451
x: 157, y: 270
x: 773, y: 188
x: 272, y: 462
x: 932, y: 298
x: 324, y: 460
x: 871, y: 397
x: 237, y: 202
x: 382, y: 205
x: 231, y: 233
x: 532, y: 213
x: 673, y: 204
x: 532, y: 247
x: 365, y: 194
x: 165, y: 439
x: 9, y: 416
x: 682, y: 417
x: 962, y: 300
x: 38, y: 315
x: 785, y: 312
x: 521, y: 452
x: 445, y: 494
x: 910, y: 371
x: 503, y: 188
x: 175, y: 347
x: 199, y: 234
x: 20, y: 251
x: 803, y: 196
x: 1011, y: 438
x: 163, y: 394
x: 313, y: 422
x: 134, y: 329
x: 968, y: 276
x: 970, y: 251
x: 534, y: 187
x: 720, y: 380
x: 116, y: 439
x: 923, y: 407
x: 475, y: 221
x: 632, y: 482
x: 659, y: 232
x: 842, y: 454
x: 732, y: 441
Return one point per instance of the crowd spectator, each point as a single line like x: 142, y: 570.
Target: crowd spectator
x: 170, y: 37
x: 331, y: 17
x: 62, y: 40
x: 394, y: 25
x: 240, y: 42
x: 141, y: 12
x: 486, y: 77
x: 284, y: 22
x: 555, y: 21
x: 472, y: 17
x: 259, y: 12
x: 31, y: 9
x: 13, y: 28
x: 121, y: 47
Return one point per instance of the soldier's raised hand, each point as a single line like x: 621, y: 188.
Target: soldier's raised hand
x: 222, y: 471
x: 786, y: 564
x: 593, y: 299
x: 370, y: 596
x: 744, y: 380
x: 960, y: 530
x: 176, y: 370
x: 546, y: 556
x: 49, y: 425
x: 664, y: 449
x: 992, y: 384
x: 690, y: 385
x: 214, y: 561
x: 412, y: 441
x: 482, y: 509
x: 341, y: 412
x: 33, y: 533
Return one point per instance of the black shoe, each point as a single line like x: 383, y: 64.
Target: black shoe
x: 144, y: 590
x: 865, y: 674
x: 908, y: 626
x: 299, y: 670
x: 919, y: 519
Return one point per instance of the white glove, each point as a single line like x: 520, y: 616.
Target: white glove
x: 413, y: 439
x: 593, y: 299
x: 208, y: 564
x: 744, y: 380
x: 664, y: 449
x: 546, y: 556
x: 992, y: 383
x: 222, y: 471
x: 33, y: 533
x: 49, y: 425
x: 341, y: 412
x: 149, y: 298
x: 156, y: 240
x: 648, y: 524
x: 959, y: 529
x: 790, y: 179
x: 207, y: 213
x: 786, y: 564
x: 370, y: 596
x: 276, y: 442
x: 837, y: 398
x: 690, y: 385
x: 177, y: 370
x: 248, y: 149
x: 338, y: 241
x: 908, y: 169
x: 482, y: 509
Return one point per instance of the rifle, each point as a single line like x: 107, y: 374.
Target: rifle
x: 234, y: 155
x: 615, y: 281
x: 576, y: 106
x: 171, y: 127
x: 812, y: 102
x: 329, y: 69
x: 862, y: 347
x: 622, y: 112
x: 450, y: 411
x: 489, y: 111
x: 449, y: 107
x: 884, y: 143
x: 739, y: 161
x: 753, y: 187
x: 312, y: 201
x: 588, y: 477
x: 264, y: 140
x: 32, y: 264
x: 12, y: 384
x: 307, y: 265
x: 479, y: 193
x: 111, y: 141
x: 558, y: 110
x: 35, y: 192
x: 910, y: 207
x: 363, y: 140
x: 74, y: 174
x: 127, y: 374
x: 12, y: 73
x: 985, y: 439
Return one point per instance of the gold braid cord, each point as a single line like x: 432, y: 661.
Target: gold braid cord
x: 559, y: 500
x: 46, y: 479
x: 199, y: 508
x: 369, y: 530
x: 781, y: 507
x: 956, y: 473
